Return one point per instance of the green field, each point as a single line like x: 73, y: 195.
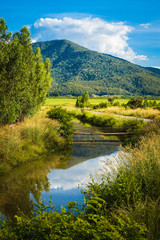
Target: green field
x: 69, y: 104
x: 64, y: 101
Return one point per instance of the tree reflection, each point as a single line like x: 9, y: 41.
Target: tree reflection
x: 17, y: 186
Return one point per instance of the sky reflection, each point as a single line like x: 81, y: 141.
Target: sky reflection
x: 64, y: 182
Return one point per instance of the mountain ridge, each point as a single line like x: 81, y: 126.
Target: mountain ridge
x: 76, y: 69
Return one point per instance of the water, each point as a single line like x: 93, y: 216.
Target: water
x: 40, y: 180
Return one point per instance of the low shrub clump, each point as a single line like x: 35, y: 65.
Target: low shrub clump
x: 101, y: 105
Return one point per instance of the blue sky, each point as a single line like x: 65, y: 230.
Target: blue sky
x: 127, y: 29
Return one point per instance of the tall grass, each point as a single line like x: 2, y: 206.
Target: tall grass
x: 28, y: 141
x: 133, y: 187
x: 139, y: 112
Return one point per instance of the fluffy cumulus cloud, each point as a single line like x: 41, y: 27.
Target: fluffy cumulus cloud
x: 93, y: 33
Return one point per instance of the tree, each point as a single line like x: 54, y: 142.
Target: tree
x: 24, y: 78
x: 83, y: 101
x: 85, y: 98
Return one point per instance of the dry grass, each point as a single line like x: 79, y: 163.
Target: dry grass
x: 142, y: 113
x: 27, y: 141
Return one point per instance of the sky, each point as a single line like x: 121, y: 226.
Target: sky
x: 126, y: 29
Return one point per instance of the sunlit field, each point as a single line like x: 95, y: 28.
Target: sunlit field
x: 64, y: 101
x: 69, y: 104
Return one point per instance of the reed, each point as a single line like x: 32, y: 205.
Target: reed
x: 131, y: 184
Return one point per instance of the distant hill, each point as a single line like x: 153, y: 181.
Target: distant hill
x: 76, y: 69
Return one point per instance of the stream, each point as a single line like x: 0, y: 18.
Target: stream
x: 24, y: 186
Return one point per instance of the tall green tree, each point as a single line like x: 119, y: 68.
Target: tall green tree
x: 24, y: 78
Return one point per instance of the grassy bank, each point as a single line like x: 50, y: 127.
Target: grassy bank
x: 121, y: 204
x: 30, y: 140
x: 101, y: 120
x: 112, y: 123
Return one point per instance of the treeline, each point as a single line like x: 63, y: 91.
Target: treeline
x: 24, y: 78
x: 133, y: 103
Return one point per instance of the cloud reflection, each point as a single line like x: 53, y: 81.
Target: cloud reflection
x: 66, y: 179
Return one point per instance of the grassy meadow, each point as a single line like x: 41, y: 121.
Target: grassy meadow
x: 69, y: 104
x: 64, y: 101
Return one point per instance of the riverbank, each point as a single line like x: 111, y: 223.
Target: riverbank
x: 28, y: 141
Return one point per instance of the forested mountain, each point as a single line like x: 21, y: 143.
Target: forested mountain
x: 75, y: 69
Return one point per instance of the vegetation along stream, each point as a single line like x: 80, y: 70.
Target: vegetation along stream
x: 40, y: 180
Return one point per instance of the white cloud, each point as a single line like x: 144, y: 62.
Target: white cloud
x: 145, y: 25
x: 93, y: 33
x: 156, y: 67
x: 72, y: 177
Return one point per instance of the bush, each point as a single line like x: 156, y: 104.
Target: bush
x: 102, y: 105
x: 66, y: 128
x: 83, y: 101
x: 135, y: 103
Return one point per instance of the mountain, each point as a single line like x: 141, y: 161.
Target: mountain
x: 76, y: 69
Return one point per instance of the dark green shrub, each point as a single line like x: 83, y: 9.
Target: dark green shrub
x: 111, y: 100
x: 135, y: 103
x: 83, y: 101
x: 66, y: 128
x: 117, y: 104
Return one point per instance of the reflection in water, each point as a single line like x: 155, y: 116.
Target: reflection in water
x: 64, y: 183
x: 16, y: 187
x: 39, y: 179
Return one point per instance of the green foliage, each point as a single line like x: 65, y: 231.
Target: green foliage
x: 111, y: 100
x: 140, y: 103
x: 101, y: 105
x: 76, y: 70
x: 24, y: 78
x: 66, y: 128
x: 68, y: 225
x: 133, y: 187
x: 83, y: 101
x: 135, y: 103
x: 106, y: 121
x: 116, y: 104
